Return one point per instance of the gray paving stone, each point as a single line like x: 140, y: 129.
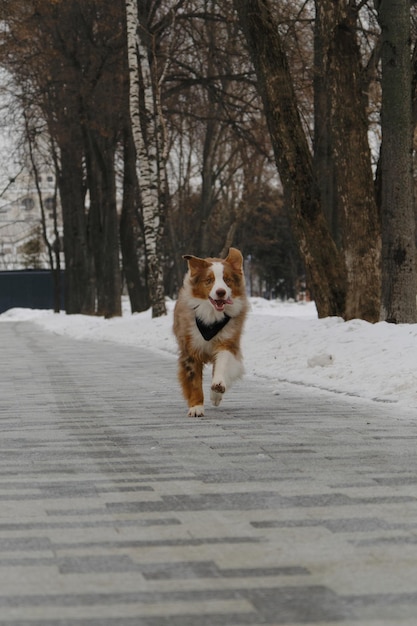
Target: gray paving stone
x: 116, y: 509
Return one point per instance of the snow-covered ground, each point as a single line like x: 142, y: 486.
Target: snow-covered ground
x: 282, y: 342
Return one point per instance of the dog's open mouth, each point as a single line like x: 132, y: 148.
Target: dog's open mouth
x: 220, y: 304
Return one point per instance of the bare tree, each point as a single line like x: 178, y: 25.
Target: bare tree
x: 131, y: 231
x: 69, y: 59
x: 219, y: 144
x: 342, y: 156
x: 52, y: 247
x: 145, y: 112
x: 324, y: 264
x: 397, y: 203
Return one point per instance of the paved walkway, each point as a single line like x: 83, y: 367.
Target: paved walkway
x: 116, y: 509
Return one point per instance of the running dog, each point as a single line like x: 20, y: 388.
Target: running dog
x: 208, y: 323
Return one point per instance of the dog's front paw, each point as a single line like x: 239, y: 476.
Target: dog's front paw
x: 215, y: 397
x: 196, y: 411
x: 219, y: 387
x: 217, y: 391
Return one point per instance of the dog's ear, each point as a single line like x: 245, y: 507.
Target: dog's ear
x: 235, y: 259
x: 195, y: 264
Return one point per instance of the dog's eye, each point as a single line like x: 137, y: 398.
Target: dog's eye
x: 228, y: 281
x: 209, y: 280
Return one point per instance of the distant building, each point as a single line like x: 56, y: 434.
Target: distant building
x: 21, y: 240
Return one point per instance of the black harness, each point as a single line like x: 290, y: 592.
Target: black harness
x: 208, y: 331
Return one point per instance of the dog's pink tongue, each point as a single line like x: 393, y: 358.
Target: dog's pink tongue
x: 220, y: 304
x: 223, y: 303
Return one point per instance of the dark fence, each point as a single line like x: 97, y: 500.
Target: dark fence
x: 29, y: 289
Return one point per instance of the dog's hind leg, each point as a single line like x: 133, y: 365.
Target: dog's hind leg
x: 190, y: 372
x: 227, y: 368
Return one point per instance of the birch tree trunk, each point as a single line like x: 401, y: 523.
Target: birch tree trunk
x: 146, y: 128
x: 397, y: 203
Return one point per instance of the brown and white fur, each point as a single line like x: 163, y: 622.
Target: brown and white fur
x: 213, y: 290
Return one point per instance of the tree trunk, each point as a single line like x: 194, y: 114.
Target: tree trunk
x: 129, y: 229
x: 399, y: 285
x: 207, y: 189
x: 54, y: 260
x: 146, y: 129
x: 79, y: 277
x: 346, y: 128
x: 211, y: 140
x: 103, y: 224
x: 324, y: 264
x: 323, y: 162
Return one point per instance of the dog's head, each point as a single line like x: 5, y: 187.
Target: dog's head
x: 220, y: 282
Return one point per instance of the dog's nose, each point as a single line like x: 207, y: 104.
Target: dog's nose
x: 221, y: 293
